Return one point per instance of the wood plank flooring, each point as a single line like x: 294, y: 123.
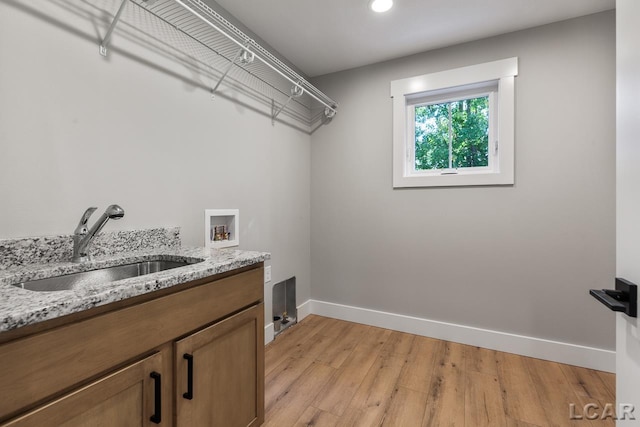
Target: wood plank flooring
x: 327, y: 372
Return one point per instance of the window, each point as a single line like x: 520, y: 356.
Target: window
x: 455, y: 127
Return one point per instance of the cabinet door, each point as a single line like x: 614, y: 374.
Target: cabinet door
x: 125, y: 398
x: 220, y: 373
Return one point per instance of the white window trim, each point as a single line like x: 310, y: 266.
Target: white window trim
x: 405, y: 91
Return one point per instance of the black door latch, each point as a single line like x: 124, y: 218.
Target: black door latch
x: 623, y: 298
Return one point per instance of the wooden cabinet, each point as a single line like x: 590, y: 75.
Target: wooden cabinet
x: 97, y: 370
x: 125, y: 398
x: 218, y: 370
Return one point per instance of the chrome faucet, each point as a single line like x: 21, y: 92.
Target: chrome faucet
x: 82, y: 236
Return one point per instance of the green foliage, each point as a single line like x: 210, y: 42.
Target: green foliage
x: 469, y: 134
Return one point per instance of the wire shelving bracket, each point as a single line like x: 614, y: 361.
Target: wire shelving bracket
x: 105, y: 42
x: 229, y: 67
x: 296, y: 91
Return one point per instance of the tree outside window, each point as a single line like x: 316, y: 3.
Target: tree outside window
x: 452, y: 135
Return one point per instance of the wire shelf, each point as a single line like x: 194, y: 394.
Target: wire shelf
x: 199, y: 32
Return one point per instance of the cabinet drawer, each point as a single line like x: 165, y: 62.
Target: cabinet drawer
x: 37, y: 367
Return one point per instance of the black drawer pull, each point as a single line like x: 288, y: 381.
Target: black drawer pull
x: 157, y: 416
x: 189, y: 394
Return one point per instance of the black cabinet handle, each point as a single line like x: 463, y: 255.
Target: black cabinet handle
x: 157, y: 416
x: 189, y: 394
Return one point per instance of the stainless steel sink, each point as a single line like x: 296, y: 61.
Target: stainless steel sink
x: 101, y: 276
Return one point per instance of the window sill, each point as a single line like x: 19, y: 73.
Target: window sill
x: 453, y: 180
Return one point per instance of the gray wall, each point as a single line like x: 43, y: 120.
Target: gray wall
x: 138, y: 129
x: 518, y: 259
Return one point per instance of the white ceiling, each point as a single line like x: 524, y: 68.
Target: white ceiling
x: 321, y: 37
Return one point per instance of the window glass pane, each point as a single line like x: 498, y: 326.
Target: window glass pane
x: 432, y: 136
x: 452, y: 134
x: 470, y: 123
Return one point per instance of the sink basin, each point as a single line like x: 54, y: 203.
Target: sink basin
x: 102, y: 275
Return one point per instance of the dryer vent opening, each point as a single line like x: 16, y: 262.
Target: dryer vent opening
x: 285, y: 312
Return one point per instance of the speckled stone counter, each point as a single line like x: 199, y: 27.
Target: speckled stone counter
x: 20, y: 307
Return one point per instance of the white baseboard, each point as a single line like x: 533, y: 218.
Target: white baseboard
x: 269, y: 333
x: 304, y: 309
x: 572, y: 354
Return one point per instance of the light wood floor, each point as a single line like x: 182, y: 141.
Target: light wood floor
x: 327, y: 372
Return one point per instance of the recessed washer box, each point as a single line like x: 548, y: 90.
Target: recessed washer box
x: 221, y: 228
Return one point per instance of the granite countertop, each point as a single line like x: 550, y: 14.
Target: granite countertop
x: 21, y: 307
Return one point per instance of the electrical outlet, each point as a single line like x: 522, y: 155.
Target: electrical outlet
x: 267, y: 274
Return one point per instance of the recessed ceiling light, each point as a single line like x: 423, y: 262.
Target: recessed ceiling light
x: 380, y: 5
